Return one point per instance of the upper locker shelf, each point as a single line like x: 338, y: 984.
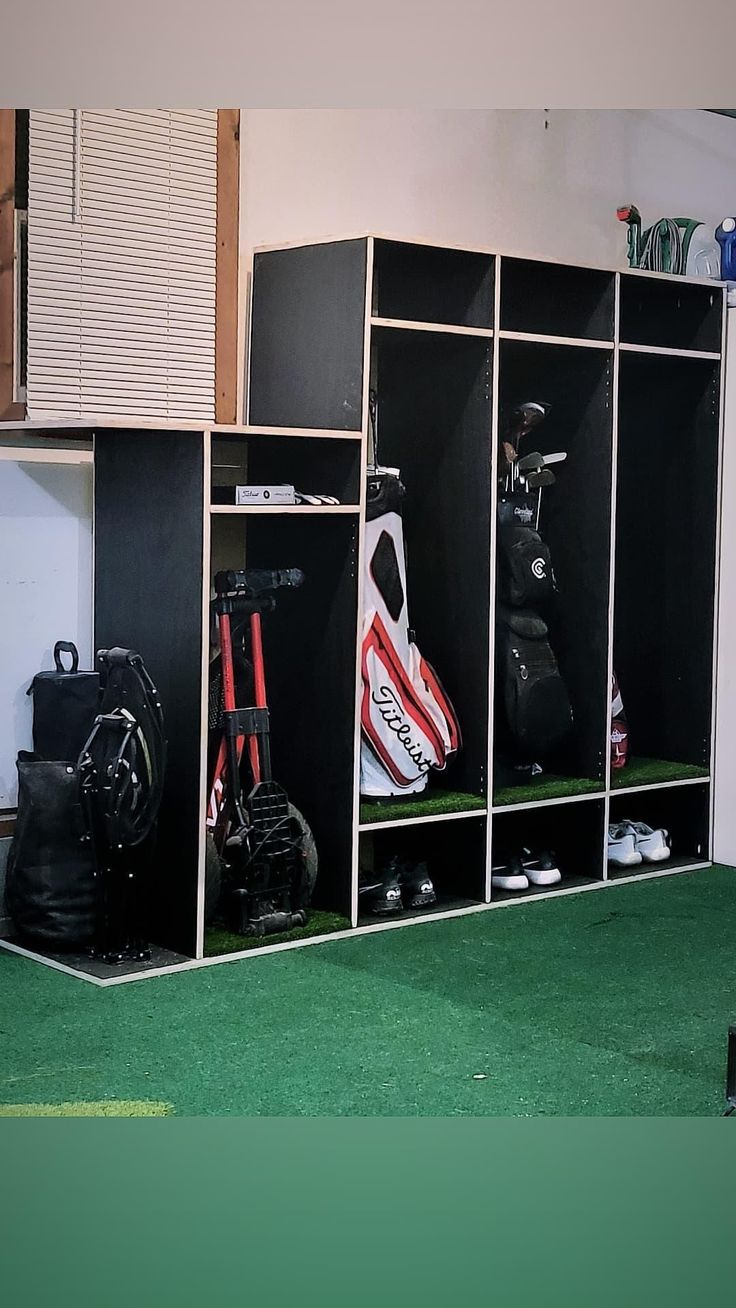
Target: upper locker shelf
x: 550, y: 299
x: 425, y: 284
x: 660, y: 313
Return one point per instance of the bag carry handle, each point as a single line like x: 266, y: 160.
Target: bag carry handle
x: 68, y: 647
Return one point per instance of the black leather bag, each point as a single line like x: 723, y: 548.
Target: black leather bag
x: 50, y: 887
x: 65, y: 703
x: 533, y: 696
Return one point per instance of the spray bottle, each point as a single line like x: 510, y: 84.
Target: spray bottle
x: 726, y: 238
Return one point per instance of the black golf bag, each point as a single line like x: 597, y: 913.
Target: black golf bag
x: 534, y: 715
x: 533, y: 698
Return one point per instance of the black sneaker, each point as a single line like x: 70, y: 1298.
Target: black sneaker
x: 380, y: 895
x: 541, y: 871
x: 416, y: 884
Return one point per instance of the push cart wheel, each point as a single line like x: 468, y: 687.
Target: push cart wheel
x: 212, y: 879
x: 304, y: 840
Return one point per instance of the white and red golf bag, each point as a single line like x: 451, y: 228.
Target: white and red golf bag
x: 619, y: 728
x: 408, y: 725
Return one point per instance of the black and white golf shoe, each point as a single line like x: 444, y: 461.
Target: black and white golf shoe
x: 417, y: 887
x: 381, y: 894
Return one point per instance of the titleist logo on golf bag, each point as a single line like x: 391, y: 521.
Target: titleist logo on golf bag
x: 391, y: 710
x: 408, y: 723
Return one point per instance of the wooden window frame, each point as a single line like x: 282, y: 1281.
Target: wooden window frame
x: 10, y: 410
x: 226, y: 275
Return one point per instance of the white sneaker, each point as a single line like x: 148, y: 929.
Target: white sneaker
x: 622, y: 850
x: 541, y: 871
x: 652, y: 845
x: 510, y: 875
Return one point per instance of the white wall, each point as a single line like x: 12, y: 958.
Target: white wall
x: 45, y: 589
x: 495, y: 178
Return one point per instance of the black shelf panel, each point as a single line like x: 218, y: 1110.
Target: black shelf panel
x: 425, y: 283
x: 666, y: 514
x: 307, y: 328
x: 670, y: 314
x: 148, y: 584
x: 315, y: 465
x: 549, y: 299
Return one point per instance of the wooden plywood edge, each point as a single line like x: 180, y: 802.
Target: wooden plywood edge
x: 226, y: 280
x: 7, y: 263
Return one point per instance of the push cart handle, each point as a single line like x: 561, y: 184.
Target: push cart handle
x: 252, y: 582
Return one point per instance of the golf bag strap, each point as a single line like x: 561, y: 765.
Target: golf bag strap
x: 245, y: 722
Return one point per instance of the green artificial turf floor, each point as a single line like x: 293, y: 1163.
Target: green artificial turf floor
x: 651, y: 771
x: 547, y: 787
x: 611, y: 1002
x: 432, y: 803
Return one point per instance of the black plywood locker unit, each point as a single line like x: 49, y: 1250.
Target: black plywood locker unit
x: 450, y: 340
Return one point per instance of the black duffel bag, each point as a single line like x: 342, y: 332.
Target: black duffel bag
x: 65, y: 703
x: 532, y: 694
x: 50, y: 889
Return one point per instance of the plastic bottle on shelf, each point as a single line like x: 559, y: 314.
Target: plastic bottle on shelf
x: 703, y: 254
x: 726, y: 238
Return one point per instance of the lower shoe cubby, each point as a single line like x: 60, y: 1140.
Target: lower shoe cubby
x: 683, y: 812
x: 571, y: 834
x: 452, y: 854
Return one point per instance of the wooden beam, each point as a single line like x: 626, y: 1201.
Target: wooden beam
x: 226, y: 304
x: 7, y: 262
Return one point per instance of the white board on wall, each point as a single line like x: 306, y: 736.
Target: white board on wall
x: 45, y: 589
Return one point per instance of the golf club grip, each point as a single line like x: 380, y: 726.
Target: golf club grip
x: 290, y: 577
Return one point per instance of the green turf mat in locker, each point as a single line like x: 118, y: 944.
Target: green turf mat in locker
x: 432, y: 803
x: 649, y: 771
x: 219, y: 941
x: 547, y: 787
